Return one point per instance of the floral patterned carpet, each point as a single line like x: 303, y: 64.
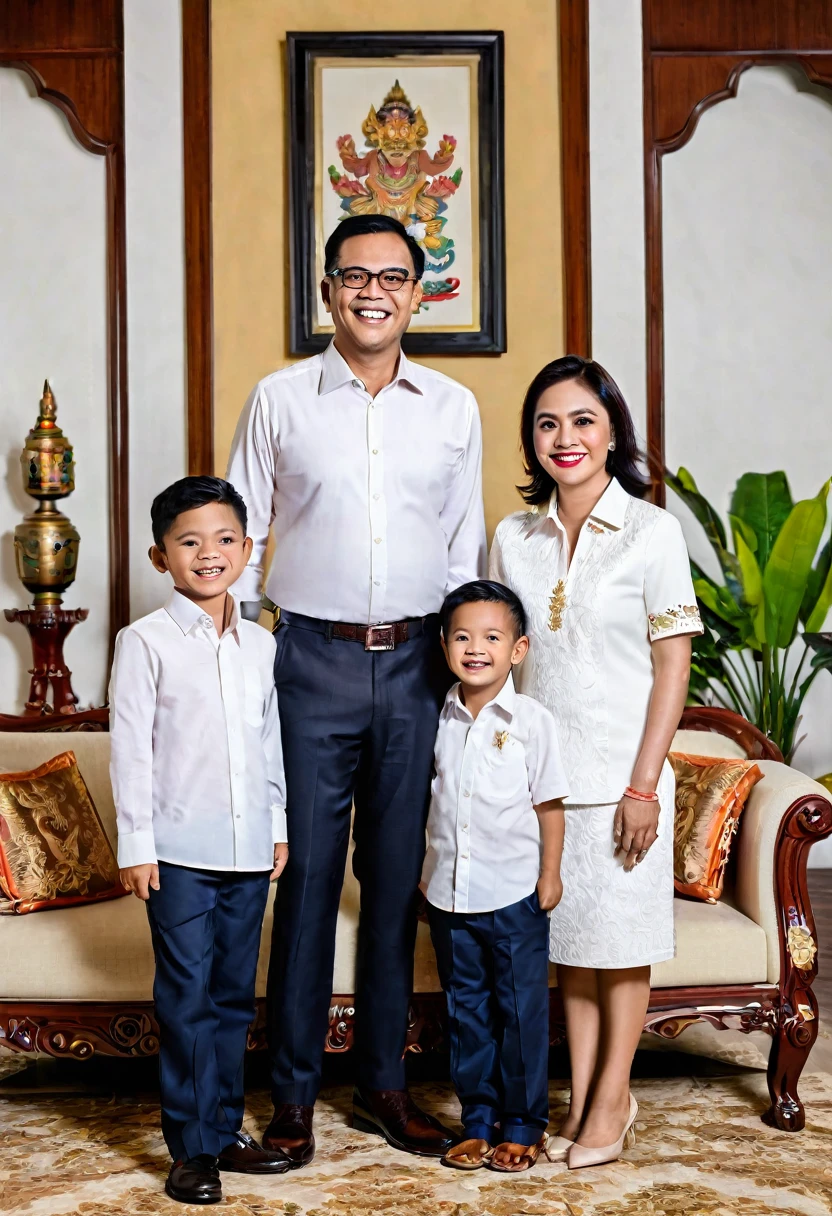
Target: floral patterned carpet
x: 701, y: 1151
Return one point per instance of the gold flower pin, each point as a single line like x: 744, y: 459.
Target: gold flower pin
x: 500, y: 737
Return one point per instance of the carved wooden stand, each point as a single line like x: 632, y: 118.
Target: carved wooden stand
x: 48, y: 627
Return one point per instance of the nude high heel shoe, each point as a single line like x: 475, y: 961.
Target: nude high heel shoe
x: 557, y: 1148
x: 581, y: 1155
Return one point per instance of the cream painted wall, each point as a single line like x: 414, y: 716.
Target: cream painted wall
x: 250, y: 224
x: 747, y: 268
x: 53, y: 322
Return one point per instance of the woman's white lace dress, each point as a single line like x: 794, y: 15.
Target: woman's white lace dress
x: 592, y: 623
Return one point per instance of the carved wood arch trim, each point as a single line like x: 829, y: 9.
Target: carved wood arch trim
x: 87, y: 86
x: 679, y: 86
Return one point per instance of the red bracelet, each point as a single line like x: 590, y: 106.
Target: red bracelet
x: 640, y: 796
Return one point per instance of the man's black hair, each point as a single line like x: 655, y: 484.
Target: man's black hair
x: 371, y: 225
x: 483, y: 591
x: 188, y: 493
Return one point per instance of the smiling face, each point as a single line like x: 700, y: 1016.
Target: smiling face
x: 204, y: 550
x: 482, y: 645
x: 371, y: 321
x: 572, y: 435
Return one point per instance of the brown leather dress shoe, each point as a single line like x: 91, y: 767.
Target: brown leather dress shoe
x: 290, y: 1133
x: 245, y: 1156
x: 393, y: 1114
x: 195, y: 1181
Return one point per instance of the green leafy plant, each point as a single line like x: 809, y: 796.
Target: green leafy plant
x: 777, y: 577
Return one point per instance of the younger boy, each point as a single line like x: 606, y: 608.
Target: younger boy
x: 197, y: 774
x: 491, y: 874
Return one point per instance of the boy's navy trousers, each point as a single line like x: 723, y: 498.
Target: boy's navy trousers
x: 494, y: 968
x: 206, y: 927
x: 357, y: 727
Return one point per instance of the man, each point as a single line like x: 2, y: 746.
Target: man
x: 368, y: 467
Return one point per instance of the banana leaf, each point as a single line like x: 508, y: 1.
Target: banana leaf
x: 763, y: 501
x: 686, y: 488
x: 818, y: 598
x: 821, y: 643
x: 789, y: 565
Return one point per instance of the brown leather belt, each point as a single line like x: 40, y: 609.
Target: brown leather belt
x: 372, y: 637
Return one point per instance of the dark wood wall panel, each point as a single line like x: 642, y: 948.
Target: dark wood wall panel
x: 196, y: 119
x: 694, y: 55
x: 574, y: 108
x: 73, y: 51
x: 740, y: 25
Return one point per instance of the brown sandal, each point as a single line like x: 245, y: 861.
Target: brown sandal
x: 528, y: 1155
x: 456, y: 1162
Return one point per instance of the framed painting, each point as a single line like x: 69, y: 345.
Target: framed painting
x: 410, y: 126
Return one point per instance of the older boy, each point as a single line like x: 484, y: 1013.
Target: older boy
x: 197, y: 773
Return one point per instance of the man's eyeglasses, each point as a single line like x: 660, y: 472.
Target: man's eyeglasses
x: 356, y: 277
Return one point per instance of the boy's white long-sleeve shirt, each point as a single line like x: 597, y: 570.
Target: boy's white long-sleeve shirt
x: 196, y: 762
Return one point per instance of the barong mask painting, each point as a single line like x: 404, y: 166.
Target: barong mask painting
x: 409, y: 127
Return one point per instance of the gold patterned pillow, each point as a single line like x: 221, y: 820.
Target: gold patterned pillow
x: 53, y: 849
x: 710, y: 796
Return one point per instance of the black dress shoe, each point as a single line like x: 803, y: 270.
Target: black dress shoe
x: 245, y: 1156
x: 290, y: 1133
x: 393, y: 1114
x: 195, y: 1181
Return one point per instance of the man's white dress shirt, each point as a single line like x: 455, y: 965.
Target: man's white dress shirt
x: 195, y: 756
x: 376, y: 503
x: 628, y: 585
x: 484, y: 848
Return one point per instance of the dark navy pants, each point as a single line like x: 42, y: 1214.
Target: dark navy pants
x: 206, y: 928
x: 494, y: 968
x: 357, y: 726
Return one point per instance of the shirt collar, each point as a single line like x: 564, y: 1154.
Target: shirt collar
x: 187, y: 613
x: 610, y: 509
x: 335, y: 372
x: 505, y: 700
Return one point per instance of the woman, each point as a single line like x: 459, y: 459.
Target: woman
x: 605, y: 579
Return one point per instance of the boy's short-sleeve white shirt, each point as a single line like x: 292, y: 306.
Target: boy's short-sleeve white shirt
x: 484, y: 847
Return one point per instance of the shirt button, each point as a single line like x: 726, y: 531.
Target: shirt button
x: 237, y: 816
x: 376, y: 582
x: 206, y: 622
x: 466, y: 793
x: 376, y: 497
x: 378, y: 540
x: 464, y: 856
x: 375, y: 451
x: 465, y: 827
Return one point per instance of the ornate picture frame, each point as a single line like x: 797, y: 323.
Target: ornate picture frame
x: 409, y: 125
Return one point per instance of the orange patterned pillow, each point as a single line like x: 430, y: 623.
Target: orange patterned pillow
x: 53, y: 849
x: 710, y: 796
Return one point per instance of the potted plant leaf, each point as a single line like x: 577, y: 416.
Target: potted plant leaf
x: 765, y: 614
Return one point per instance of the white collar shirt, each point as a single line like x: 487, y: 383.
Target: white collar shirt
x: 195, y: 756
x: 628, y: 585
x: 484, y: 849
x: 375, y: 503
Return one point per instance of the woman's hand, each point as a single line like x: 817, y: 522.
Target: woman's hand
x: 635, y: 829
x: 139, y: 879
x: 549, y: 891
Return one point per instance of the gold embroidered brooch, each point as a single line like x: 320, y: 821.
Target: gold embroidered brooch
x: 500, y: 738
x: 557, y: 603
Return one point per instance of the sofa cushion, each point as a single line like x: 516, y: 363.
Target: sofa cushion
x: 92, y: 751
x: 707, y: 743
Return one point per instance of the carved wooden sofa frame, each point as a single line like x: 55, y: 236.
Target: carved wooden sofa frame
x: 787, y: 1011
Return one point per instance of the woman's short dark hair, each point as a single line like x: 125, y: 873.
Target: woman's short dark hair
x: 483, y: 591
x: 624, y: 462
x: 371, y: 225
x: 188, y: 493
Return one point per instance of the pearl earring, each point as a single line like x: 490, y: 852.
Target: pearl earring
x: 612, y: 445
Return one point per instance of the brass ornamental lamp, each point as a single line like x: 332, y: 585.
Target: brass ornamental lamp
x: 46, y: 554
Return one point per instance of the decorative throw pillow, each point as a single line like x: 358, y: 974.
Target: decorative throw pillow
x: 710, y: 796
x: 53, y: 849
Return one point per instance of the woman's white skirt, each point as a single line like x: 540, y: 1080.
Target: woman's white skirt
x: 607, y: 917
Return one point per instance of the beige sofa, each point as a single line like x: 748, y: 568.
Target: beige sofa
x: 79, y: 980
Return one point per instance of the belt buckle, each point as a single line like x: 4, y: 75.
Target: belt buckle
x: 380, y: 637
